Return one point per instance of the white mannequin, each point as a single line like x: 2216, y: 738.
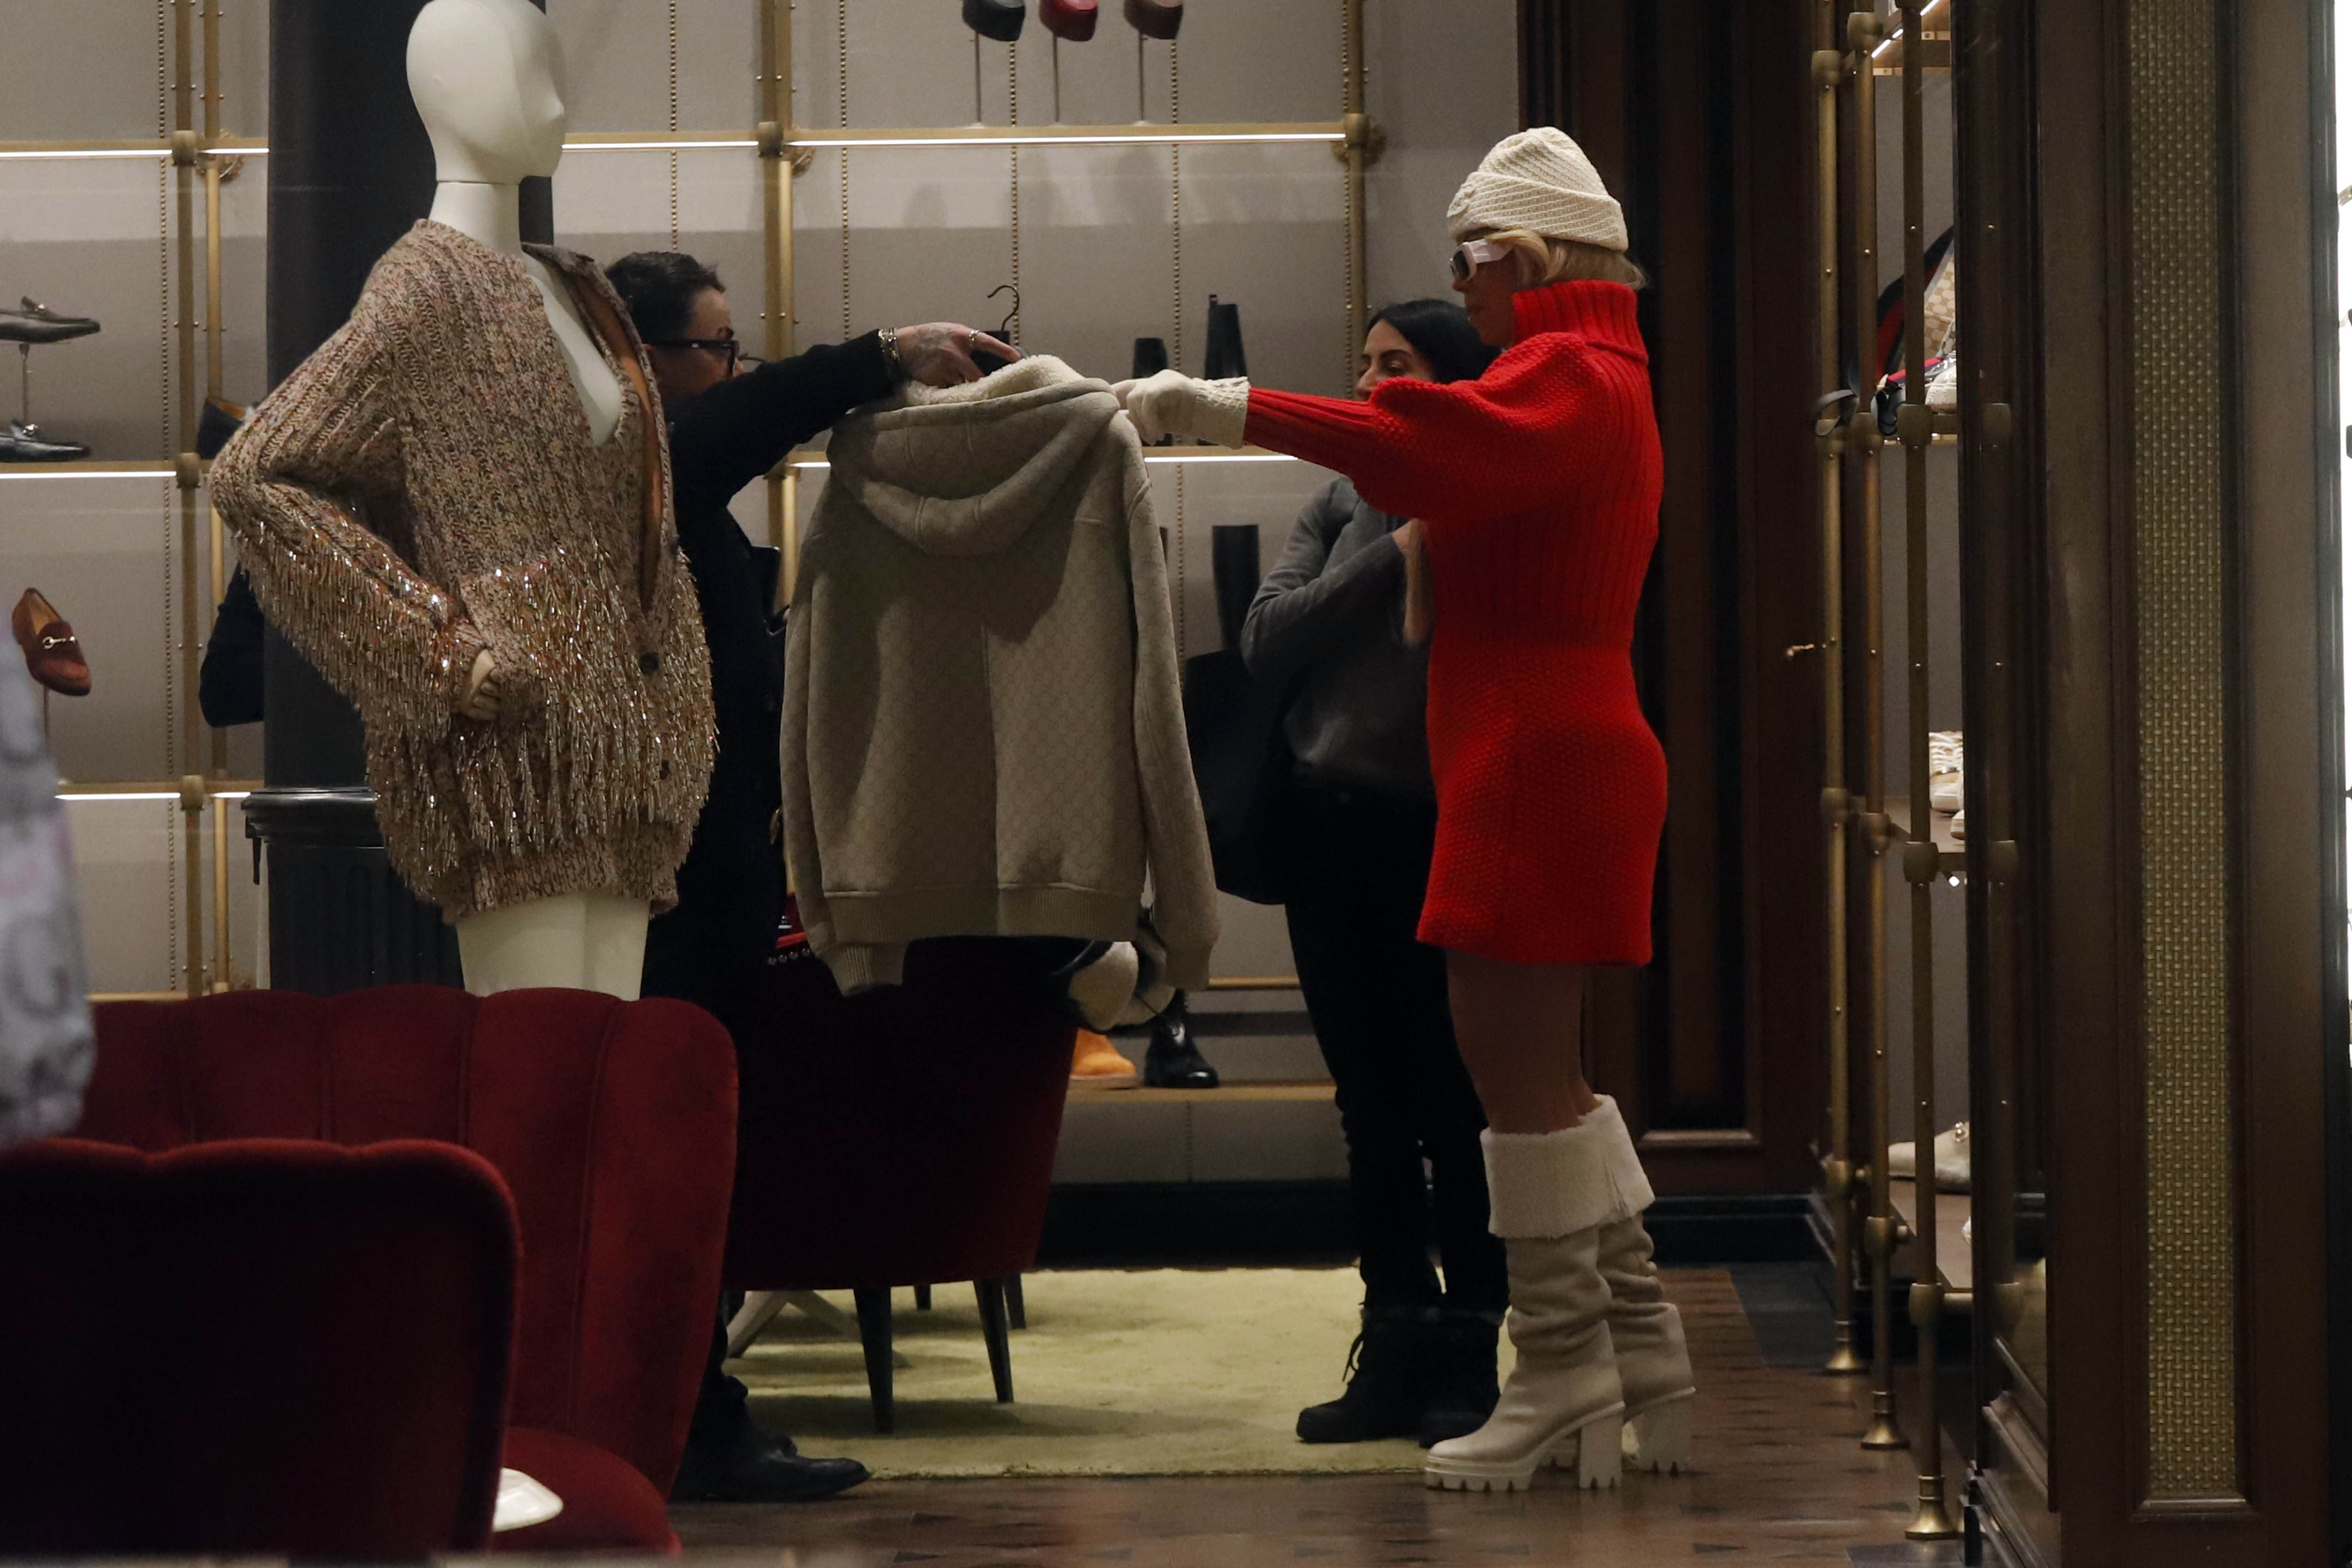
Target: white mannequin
x: 488, y: 80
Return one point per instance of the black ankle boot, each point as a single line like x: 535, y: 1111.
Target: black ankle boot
x: 739, y: 1463
x: 1173, y: 1060
x: 1461, y: 1388
x: 1389, y: 1372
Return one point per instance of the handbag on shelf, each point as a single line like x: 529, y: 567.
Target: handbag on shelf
x: 1232, y: 722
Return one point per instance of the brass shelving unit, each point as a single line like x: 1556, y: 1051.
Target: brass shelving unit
x: 1871, y: 1214
x: 202, y: 154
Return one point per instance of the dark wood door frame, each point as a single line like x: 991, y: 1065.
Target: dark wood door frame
x: 1700, y: 118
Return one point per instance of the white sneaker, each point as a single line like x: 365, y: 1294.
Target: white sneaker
x: 1951, y: 1160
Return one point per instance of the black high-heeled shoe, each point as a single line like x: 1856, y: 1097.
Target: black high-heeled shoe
x: 36, y: 323
x: 1156, y: 18
x: 999, y: 20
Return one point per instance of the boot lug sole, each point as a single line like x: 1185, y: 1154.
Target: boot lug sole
x: 1600, y: 1436
x: 1657, y: 1437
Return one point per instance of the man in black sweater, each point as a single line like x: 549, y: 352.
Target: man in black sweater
x: 730, y: 423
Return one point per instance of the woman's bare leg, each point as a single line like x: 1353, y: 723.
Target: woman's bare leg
x: 1521, y: 1030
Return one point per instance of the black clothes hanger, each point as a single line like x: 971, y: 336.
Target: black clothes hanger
x: 992, y: 363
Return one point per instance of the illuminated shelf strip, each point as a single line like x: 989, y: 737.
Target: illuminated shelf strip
x: 1067, y: 135
x: 715, y: 140
x: 1204, y: 454
x: 87, y: 470
x: 152, y: 789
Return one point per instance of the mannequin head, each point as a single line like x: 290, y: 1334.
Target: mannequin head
x: 487, y: 78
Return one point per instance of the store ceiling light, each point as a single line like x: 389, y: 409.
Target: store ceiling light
x: 1106, y: 137
x: 805, y: 463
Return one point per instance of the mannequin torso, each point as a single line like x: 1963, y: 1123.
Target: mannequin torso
x: 487, y: 81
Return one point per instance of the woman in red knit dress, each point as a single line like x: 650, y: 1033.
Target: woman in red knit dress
x: 1536, y: 493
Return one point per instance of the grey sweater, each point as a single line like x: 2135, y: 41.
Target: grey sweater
x: 1333, y: 606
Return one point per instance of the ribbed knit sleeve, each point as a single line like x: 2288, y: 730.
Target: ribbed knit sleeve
x: 1176, y: 837
x: 1491, y: 448
x: 322, y: 449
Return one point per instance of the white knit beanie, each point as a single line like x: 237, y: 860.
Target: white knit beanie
x: 1541, y: 181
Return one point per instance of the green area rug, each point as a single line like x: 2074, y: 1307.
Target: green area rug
x: 1144, y: 1372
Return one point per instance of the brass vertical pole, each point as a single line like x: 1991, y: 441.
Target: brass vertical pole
x: 1837, y: 805
x: 186, y: 155
x: 1352, y: 46
x: 1878, y: 1233
x: 776, y: 160
x: 1931, y: 1520
x: 215, y: 384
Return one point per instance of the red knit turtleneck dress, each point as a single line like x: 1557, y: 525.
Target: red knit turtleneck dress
x: 1538, y: 488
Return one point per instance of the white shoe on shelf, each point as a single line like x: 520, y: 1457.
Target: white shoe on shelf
x: 1951, y: 1160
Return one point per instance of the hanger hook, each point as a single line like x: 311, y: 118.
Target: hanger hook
x: 1004, y: 327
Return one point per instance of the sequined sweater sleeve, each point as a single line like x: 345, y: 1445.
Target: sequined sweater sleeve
x: 310, y: 487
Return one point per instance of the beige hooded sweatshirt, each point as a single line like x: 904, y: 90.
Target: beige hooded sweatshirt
x: 984, y: 732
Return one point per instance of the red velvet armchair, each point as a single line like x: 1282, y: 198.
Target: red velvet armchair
x: 167, y: 1323
x: 902, y: 1137
x: 614, y: 1126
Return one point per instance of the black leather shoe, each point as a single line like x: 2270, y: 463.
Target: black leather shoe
x: 752, y: 1467
x: 21, y: 443
x: 1387, y: 1380
x: 1461, y: 1386
x: 1173, y: 1060
x: 998, y: 20
x: 1156, y: 18
x: 36, y: 323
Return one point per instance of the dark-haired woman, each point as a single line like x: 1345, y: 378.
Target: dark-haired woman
x: 1362, y: 823
x: 728, y: 425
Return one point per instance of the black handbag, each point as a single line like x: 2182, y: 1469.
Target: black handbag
x: 1232, y: 722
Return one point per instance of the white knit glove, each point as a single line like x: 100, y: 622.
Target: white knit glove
x: 1174, y: 404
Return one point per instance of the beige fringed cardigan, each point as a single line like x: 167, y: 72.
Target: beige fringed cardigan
x: 426, y: 487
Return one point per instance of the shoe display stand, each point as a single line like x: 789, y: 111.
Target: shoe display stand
x: 199, y: 155
x: 1877, y: 1227
x: 198, y: 789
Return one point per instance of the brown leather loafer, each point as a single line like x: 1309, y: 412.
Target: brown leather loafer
x: 51, y: 652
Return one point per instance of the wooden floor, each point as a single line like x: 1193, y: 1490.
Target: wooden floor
x: 1782, y: 1480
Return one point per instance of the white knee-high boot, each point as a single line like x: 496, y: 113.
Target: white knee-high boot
x: 1653, y: 1362
x: 1550, y: 1195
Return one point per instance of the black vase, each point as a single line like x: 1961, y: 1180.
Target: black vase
x: 1225, y: 358
x: 1151, y: 357
x: 1233, y: 565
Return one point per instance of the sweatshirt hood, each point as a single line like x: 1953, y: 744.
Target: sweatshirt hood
x: 964, y: 470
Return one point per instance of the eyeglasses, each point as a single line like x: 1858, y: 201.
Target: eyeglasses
x: 1471, y: 255
x: 728, y: 346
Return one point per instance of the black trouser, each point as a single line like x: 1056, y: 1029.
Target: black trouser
x: 1357, y: 865
x: 691, y: 965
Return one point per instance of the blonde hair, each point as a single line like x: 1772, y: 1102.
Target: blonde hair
x: 1545, y: 258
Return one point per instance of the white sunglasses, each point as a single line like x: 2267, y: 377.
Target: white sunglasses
x: 1471, y: 255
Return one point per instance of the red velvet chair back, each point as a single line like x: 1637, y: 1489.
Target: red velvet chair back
x: 902, y: 1137
x: 261, y: 1347
x: 613, y: 1124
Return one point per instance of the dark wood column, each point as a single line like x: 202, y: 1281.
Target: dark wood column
x: 1701, y: 119
x: 350, y: 170
x: 2185, y: 839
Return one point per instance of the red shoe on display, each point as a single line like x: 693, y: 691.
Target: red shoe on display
x: 1071, y: 19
